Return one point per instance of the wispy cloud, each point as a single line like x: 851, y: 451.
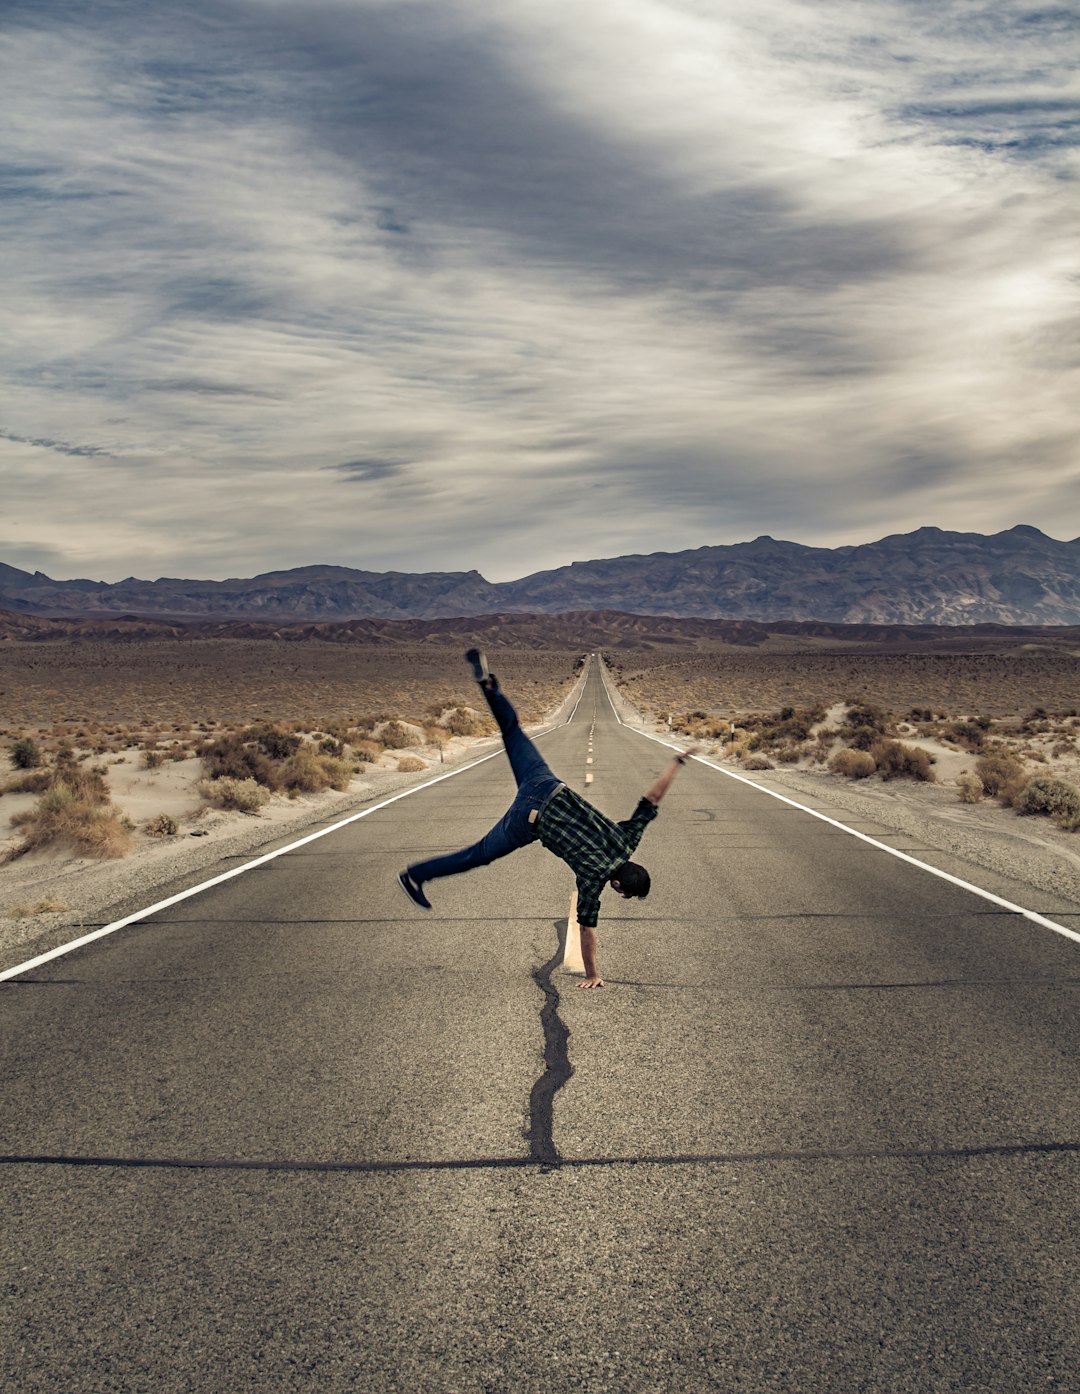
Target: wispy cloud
x: 423, y: 284
x: 59, y: 447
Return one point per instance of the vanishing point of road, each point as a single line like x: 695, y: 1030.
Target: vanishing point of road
x: 819, y: 1133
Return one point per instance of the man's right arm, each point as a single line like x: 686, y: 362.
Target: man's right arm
x: 588, y: 911
x: 660, y: 788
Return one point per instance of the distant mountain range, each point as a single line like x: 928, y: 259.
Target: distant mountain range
x: 1020, y: 576
x: 588, y: 629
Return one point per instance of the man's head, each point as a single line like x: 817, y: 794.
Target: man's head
x: 631, y: 881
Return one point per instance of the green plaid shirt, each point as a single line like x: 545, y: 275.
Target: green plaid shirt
x: 590, y: 844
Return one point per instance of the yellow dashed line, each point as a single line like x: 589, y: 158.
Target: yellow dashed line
x: 572, y: 960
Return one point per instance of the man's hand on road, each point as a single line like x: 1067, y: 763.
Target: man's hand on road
x: 592, y: 982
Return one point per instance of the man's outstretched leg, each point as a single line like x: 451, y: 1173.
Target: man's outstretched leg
x: 517, y: 827
x: 503, y: 839
x: 525, y: 760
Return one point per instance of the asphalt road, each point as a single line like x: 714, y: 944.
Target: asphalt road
x: 822, y: 1131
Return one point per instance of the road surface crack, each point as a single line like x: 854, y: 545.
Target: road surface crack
x: 557, y: 1067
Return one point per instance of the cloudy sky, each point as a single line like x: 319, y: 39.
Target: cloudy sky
x: 442, y: 284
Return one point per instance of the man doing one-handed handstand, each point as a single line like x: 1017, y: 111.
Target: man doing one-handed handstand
x: 545, y: 810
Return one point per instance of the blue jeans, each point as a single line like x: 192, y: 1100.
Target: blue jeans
x: 513, y: 830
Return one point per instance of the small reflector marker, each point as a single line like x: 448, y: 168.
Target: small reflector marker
x: 588, y: 778
x: 572, y: 960
x: 588, y: 759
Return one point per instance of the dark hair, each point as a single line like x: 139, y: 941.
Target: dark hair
x: 633, y: 879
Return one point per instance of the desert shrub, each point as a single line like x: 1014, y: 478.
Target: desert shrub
x: 229, y: 757
x: 30, y: 782
x: 163, y: 825
x: 757, y: 762
x: 396, y: 737
x: 998, y: 771
x: 62, y: 816
x: 273, y: 741
x: 1052, y: 797
x: 409, y: 764
x: 330, y: 745
x: 854, y: 764
x: 968, y: 733
x: 152, y: 759
x: 897, y: 761
x: 790, y: 726
x: 46, y: 906
x: 367, y: 751
x: 864, y: 714
x: 307, y: 772
x: 246, y: 795
x: 26, y: 754
x: 463, y: 721
x: 85, y: 785
x: 970, y: 786
x: 436, y: 736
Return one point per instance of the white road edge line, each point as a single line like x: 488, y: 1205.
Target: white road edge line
x: 67, y: 948
x: 1032, y: 915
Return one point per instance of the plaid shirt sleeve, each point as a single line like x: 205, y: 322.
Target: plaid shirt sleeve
x: 588, y: 901
x: 638, y: 821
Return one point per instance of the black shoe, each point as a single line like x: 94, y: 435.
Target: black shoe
x: 414, y: 890
x: 478, y: 663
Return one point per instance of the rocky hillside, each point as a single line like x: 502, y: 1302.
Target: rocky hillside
x: 1020, y: 576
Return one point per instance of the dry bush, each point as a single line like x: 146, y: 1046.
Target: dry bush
x: 463, y: 721
x: 48, y: 905
x: 897, y: 761
x: 86, y: 786
x: 230, y: 758
x: 854, y: 764
x: 409, y: 764
x: 367, y: 751
x: 245, y: 795
x: 436, y: 736
x: 757, y: 762
x: 153, y: 759
x: 273, y: 741
x: 1054, y: 798
x: 61, y: 816
x: 970, y: 786
x: 396, y: 736
x: 163, y: 825
x: 26, y: 754
x: 1001, y: 774
x: 971, y: 734
x: 307, y: 772
x: 32, y: 782
x: 866, y: 726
